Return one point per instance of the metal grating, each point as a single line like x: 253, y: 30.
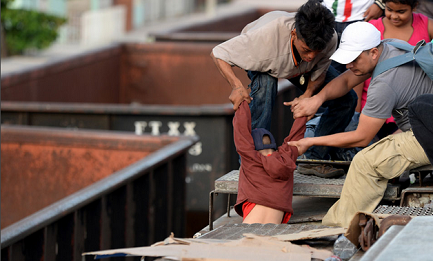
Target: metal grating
x: 405, y: 211
x: 236, y: 231
x: 311, y: 179
x: 229, y: 182
x: 304, y: 185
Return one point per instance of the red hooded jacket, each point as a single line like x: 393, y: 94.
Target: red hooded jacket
x: 266, y: 181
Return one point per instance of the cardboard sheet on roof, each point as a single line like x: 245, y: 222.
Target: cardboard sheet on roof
x: 251, y: 247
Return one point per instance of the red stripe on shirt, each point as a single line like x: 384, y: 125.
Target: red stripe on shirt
x: 347, y: 10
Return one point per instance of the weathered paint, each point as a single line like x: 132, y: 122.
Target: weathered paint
x: 40, y: 167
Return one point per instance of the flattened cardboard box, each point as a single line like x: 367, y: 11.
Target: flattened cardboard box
x: 251, y: 248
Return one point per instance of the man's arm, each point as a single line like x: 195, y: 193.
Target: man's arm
x: 361, y: 137
x: 239, y: 92
x: 334, y: 89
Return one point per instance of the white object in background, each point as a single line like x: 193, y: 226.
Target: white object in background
x: 103, y: 26
x: 211, y: 7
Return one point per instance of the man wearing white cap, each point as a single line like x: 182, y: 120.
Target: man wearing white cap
x: 389, y: 93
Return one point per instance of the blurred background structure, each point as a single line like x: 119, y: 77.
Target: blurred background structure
x: 124, y: 122
x: 139, y: 67
x: 92, y: 22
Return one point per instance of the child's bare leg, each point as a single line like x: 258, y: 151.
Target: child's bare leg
x: 263, y: 215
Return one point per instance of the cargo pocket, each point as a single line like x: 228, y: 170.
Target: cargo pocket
x: 386, y: 158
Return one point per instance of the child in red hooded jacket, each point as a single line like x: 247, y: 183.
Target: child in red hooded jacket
x: 265, y: 188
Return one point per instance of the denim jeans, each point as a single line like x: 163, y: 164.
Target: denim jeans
x: 421, y: 120
x: 346, y: 154
x: 336, y: 113
x: 264, y: 93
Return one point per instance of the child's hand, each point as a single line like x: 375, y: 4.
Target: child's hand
x: 304, y: 107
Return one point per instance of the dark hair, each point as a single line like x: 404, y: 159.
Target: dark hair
x: 314, y: 25
x: 411, y: 3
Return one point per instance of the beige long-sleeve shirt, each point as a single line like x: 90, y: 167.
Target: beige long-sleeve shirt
x: 265, y: 45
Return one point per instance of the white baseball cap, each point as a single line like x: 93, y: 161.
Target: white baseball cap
x: 357, y: 37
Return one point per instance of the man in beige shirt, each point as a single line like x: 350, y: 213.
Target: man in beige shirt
x: 294, y: 46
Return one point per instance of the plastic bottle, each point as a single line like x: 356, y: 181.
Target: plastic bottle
x: 333, y: 258
x: 343, y: 248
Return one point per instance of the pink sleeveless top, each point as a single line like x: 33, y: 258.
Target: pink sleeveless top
x: 420, y: 32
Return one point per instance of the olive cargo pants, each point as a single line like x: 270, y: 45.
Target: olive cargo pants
x: 369, y: 173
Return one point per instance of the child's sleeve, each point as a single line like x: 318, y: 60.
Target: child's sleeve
x: 242, y: 130
x: 297, y: 131
x: 284, y: 165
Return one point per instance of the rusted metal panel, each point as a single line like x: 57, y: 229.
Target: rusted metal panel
x: 99, y: 215
x: 393, y: 220
x: 216, y: 30
x: 417, y: 197
x: 173, y: 74
x: 59, y: 165
x: 60, y: 162
x: 89, y: 77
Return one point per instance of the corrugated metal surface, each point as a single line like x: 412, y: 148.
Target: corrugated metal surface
x: 407, y: 211
x: 305, y: 185
x: 236, y: 231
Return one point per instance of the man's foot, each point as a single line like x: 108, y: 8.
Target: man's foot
x: 320, y: 170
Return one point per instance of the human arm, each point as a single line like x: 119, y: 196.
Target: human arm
x: 334, y: 89
x: 282, y: 164
x: 361, y: 137
x: 374, y: 11
x: 239, y: 91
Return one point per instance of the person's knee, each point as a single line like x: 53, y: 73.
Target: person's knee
x: 359, y: 162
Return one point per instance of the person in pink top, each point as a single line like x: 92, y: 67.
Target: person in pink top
x: 400, y: 22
